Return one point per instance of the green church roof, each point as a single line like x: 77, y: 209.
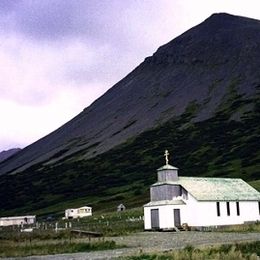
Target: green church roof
x: 217, y: 189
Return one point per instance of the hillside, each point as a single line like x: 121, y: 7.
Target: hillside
x: 197, y: 96
x: 214, y: 147
x: 5, y: 154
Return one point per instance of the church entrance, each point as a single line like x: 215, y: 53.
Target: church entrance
x: 155, y: 219
x: 177, y: 217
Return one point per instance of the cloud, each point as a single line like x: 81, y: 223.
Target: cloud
x: 57, y: 57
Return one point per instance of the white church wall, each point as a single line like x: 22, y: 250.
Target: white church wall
x: 166, y: 216
x: 147, y: 218
x: 204, y: 213
x: 249, y: 210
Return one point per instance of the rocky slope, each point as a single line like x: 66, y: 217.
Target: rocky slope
x: 200, y: 67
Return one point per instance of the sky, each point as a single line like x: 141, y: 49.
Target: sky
x: 58, y: 56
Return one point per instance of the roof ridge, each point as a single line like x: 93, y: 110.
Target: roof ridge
x: 226, y: 178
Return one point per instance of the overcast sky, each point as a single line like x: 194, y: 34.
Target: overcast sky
x: 58, y: 56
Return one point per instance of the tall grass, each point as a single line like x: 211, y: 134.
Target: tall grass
x: 254, y: 227
x: 28, y: 248
x: 240, y: 251
x: 17, y: 236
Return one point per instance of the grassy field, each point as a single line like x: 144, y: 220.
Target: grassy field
x: 45, y: 247
x: 113, y: 224
x: 44, y: 241
x: 241, y: 228
x: 239, y: 251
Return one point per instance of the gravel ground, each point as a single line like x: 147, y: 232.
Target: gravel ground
x: 155, y: 242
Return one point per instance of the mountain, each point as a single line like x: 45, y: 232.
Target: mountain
x: 197, y: 96
x: 200, y: 66
x: 5, y: 154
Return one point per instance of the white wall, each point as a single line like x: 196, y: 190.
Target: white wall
x: 78, y: 213
x: 203, y: 213
x: 166, y: 217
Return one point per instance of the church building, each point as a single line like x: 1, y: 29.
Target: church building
x: 198, y: 202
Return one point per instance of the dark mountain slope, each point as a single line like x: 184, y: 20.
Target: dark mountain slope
x: 198, y: 68
x: 213, y: 147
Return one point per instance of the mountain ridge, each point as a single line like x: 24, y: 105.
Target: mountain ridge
x: 130, y: 107
x: 8, y: 153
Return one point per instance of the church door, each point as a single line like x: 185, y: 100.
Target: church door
x: 177, y: 217
x: 155, y: 218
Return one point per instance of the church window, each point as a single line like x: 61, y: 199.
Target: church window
x: 228, y: 209
x: 218, y: 209
x: 238, y: 208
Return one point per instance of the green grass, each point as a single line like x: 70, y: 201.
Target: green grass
x: 28, y: 248
x: 254, y: 227
x: 113, y: 224
x: 239, y: 251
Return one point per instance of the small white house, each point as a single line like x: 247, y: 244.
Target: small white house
x: 199, y: 202
x: 16, y: 221
x: 78, y: 213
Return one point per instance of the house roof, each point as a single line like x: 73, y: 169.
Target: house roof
x: 167, y: 167
x: 17, y: 217
x: 216, y: 189
x: 84, y: 207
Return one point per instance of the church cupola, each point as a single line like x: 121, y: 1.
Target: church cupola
x: 167, y: 172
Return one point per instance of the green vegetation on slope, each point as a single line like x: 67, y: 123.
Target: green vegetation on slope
x: 255, y: 184
x: 217, y: 147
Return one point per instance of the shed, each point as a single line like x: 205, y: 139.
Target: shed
x: 121, y: 207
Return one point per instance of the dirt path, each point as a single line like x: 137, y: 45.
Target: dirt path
x: 155, y: 241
